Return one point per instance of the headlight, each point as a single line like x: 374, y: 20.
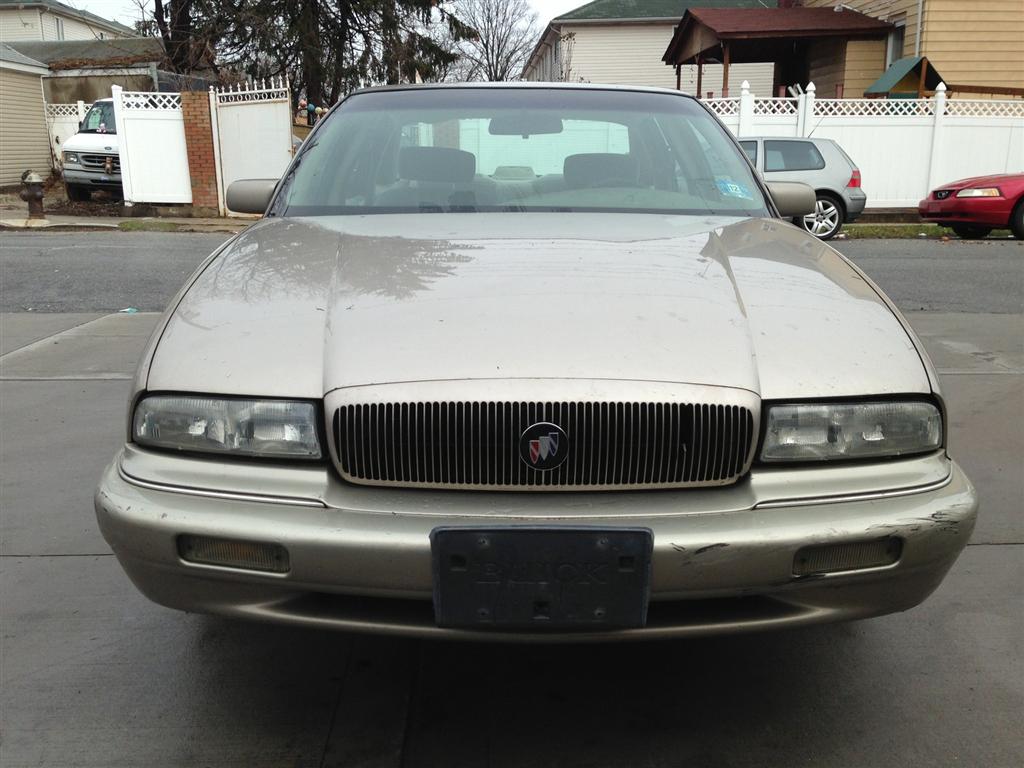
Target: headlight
x: 264, y: 428
x: 980, y: 192
x: 850, y: 431
x: 71, y: 157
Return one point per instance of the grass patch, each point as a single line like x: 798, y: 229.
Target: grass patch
x: 894, y: 231
x: 146, y: 225
x: 908, y: 232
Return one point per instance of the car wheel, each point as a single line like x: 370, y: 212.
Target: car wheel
x: 77, y: 193
x: 971, y: 232
x: 1017, y: 220
x: 827, y: 219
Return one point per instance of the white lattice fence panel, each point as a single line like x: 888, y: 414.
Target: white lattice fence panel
x: 253, y: 131
x: 983, y: 108
x: 148, y: 102
x: 151, y: 138
x: 776, y: 107
x: 874, y: 107
x: 57, y: 111
x: 723, y: 107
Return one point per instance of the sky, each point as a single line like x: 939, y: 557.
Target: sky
x: 127, y: 12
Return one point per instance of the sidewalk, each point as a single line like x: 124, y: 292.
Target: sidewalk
x: 11, y: 219
x: 94, y: 215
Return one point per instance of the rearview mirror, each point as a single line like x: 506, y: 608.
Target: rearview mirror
x: 250, y: 195
x: 524, y: 124
x: 792, y: 198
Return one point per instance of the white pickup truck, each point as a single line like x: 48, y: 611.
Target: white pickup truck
x: 91, y: 158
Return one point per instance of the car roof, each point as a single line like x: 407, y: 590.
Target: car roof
x: 523, y: 84
x: 811, y: 139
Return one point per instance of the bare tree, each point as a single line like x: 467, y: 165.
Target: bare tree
x: 566, y: 45
x: 505, y: 34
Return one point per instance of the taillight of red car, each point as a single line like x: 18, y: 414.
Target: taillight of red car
x: 854, y: 179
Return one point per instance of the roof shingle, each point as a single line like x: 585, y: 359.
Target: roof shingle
x: 609, y: 10
x: 57, y: 7
x: 764, y: 22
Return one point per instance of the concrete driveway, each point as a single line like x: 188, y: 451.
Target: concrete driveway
x: 94, y: 675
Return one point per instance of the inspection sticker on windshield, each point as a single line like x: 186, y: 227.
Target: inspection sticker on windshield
x: 730, y: 188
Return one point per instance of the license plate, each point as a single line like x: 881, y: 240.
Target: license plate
x: 934, y: 207
x: 539, y: 578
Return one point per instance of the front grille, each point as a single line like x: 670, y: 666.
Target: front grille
x: 942, y: 194
x: 100, y: 161
x: 476, y: 444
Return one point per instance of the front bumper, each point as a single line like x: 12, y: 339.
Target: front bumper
x: 370, y: 570
x: 991, y: 212
x: 92, y: 178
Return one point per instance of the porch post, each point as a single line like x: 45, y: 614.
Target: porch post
x: 700, y: 75
x: 725, y: 70
x: 679, y: 77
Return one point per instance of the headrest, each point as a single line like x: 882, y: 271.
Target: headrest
x: 591, y: 169
x: 436, y: 164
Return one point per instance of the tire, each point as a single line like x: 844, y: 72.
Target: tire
x: 971, y: 231
x: 77, y: 193
x: 827, y: 219
x: 1017, y: 220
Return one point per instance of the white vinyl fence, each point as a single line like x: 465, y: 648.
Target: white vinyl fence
x: 903, y: 147
x: 151, y: 138
x: 252, y: 132
x: 62, y: 122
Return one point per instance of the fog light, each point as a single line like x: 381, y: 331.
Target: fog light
x: 831, y: 558
x: 251, y: 555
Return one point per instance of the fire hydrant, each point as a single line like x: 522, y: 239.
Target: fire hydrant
x: 32, y: 193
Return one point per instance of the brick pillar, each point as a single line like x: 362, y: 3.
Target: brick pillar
x: 195, y: 108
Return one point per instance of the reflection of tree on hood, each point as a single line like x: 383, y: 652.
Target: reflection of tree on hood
x: 396, y: 266
x: 303, y: 261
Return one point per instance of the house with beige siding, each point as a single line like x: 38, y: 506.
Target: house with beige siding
x: 24, y: 142
x: 52, y: 20
x: 621, y: 42
x: 974, y: 44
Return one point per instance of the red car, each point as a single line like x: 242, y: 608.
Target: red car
x: 974, y: 207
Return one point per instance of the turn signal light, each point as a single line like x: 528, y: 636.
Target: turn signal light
x: 230, y: 553
x: 854, y: 179
x: 834, y: 558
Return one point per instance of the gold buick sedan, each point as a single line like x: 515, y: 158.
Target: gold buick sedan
x: 532, y: 362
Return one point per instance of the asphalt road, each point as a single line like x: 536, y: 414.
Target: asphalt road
x: 95, y: 272
x: 91, y: 674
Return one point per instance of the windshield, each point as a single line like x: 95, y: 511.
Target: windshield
x: 509, y: 149
x: 100, y: 119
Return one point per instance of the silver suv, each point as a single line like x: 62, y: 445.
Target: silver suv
x: 819, y: 162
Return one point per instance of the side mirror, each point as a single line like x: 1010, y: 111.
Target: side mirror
x: 792, y: 198
x: 250, y: 195
x: 81, y: 123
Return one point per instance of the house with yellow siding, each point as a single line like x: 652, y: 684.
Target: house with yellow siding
x: 974, y: 44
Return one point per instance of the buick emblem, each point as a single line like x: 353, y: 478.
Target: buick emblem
x: 543, y: 446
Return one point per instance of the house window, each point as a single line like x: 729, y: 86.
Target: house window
x: 894, y: 47
x: 59, y: 26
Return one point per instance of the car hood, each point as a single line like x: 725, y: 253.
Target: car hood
x: 977, y: 181
x: 301, y: 307
x: 104, y: 143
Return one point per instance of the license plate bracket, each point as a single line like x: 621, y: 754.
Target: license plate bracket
x: 541, y: 578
